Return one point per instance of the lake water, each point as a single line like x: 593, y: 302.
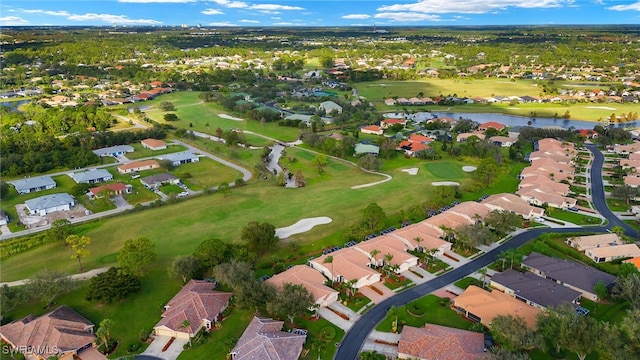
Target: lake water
x: 13, y: 105
x: 511, y: 120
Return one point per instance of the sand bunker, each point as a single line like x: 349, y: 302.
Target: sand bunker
x: 412, y: 171
x: 469, y: 168
x: 600, y: 107
x: 229, y: 117
x: 445, y: 183
x: 301, y: 226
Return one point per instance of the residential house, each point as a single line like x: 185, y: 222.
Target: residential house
x: 552, y: 169
x: 482, y: 306
x: 463, y: 137
x: 415, y: 144
x: 153, y: 144
x: 632, y: 180
x: 448, y: 220
x: 627, y: 148
x: 540, y: 195
x: 33, y: 184
x: 330, y: 107
x: 474, y: 212
x: 155, y: 181
x: 264, y: 339
x: 387, y: 123
x: 136, y: 166
x: 583, y: 243
x: 47, y: 204
x: 4, y: 218
x: 390, y: 102
x: 347, y: 264
x: 576, y: 276
x: 588, y: 133
x: 61, y: 333
x: 491, y: 125
x: 550, y: 144
x: 183, y: 157
x: 115, y: 151
x: 534, y: 290
x: 631, y: 164
x: 194, y: 307
x: 604, y: 247
x: 543, y: 182
x: 440, y: 342
x: 372, y: 129
x: 503, y: 141
x: 308, y: 278
x: 392, y: 252
x: 117, y: 189
x: 514, y: 204
x: 92, y: 176
x: 635, y: 261
x: 562, y: 156
x: 366, y: 149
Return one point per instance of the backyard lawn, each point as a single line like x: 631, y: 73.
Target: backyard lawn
x: 574, y: 217
x: 141, y: 152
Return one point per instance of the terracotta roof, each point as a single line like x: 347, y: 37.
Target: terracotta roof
x: 63, y: 330
x: 487, y: 305
x: 154, y: 143
x: 549, y: 143
x: 469, y: 209
x: 448, y: 219
x: 430, y: 239
x: 303, y: 275
x: 632, y: 180
x: 196, y: 301
x: 420, y: 138
x: 372, y: 128
x: 541, y: 181
x: 394, y: 121
x: 440, y: 342
x: 545, y: 195
x: 635, y: 261
x: 511, y: 202
x: 116, y: 187
x: 491, y: 124
x: 386, y: 245
x: 559, y: 156
x: 139, y: 164
x: 264, y: 340
x: 349, y: 263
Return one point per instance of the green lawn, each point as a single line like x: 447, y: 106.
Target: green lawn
x: 574, y: 217
x: 144, y: 152
x: 617, y: 205
x: 433, y: 313
x: 465, y: 282
x: 205, y: 173
x: 446, y: 170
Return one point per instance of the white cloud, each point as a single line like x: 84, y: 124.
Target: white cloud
x: 276, y: 18
x: 222, y: 23
x: 356, y: 16
x: 211, y: 12
x: 274, y: 7
x: 269, y: 12
x: 12, y: 21
x: 633, y: 7
x: 406, y: 16
x: 283, y: 23
x: 469, y: 6
x: 250, y: 21
x: 112, y: 19
x: 157, y: 1
x: 232, y: 4
x: 47, y: 12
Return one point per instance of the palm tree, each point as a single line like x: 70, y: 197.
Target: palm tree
x: 393, y: 311
x: 483, y: 272
x: 187, y: 324
x: 373, y: 254
x: 418, y: 240
x: 329, y: 260
x: 368, y: 355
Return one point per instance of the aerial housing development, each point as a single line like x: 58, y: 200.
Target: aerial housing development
x: 358, y: 192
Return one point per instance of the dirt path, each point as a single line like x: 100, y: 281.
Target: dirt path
x: 82, y: 276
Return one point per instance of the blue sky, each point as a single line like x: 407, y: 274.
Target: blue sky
x: 218, y: 13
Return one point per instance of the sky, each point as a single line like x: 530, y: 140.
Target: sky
x: 264, y: 13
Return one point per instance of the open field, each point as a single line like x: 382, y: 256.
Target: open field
x: 144, y: 152
x: 377, y: 91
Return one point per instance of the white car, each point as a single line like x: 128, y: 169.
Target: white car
x: 539, y: 219
x: 184, y: 193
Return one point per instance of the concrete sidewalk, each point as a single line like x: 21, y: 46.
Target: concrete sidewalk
x: 335, y: 319
x: 82, y: 276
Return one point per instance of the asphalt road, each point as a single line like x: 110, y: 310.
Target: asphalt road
x: 356, y: 336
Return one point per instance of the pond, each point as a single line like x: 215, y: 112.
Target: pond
x: 13, y: 105
x: 512, y: 120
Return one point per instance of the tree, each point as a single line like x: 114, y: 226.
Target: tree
x: 499, y: 353
x: 514, y: 334
x: 329, y: 260
x: 553, y: 325
x: 4, y: 190
x: 60, y: 230
x: 212, y: 252
x: 135, y: 255
x: 10, y: 297
x: 514, y: 256
x: 78, y: 244
x: 487, y: 170
x: 233, y: 273
x: 167, y: 106
x: 320, y: 161
x: 369, y: 162
x: 628, y: 288
x: 585, y: 332
x: 184, y: 267
x: 291, y: 301
x: 625, y: 193
x: 374, y: 218
x: 259, y: 237
x: 112, y: 285
x: 503, y: 222
x: 618, y: 230
x: 299, y: 179
x: 104, y: 331
x: 49, y: 284
x: 470, y: 236
x: 483, y: 272
x: 224, y: 189
x: 170, y: 117
x: 601, y: 289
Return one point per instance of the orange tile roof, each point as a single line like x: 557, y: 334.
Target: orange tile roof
x: 440, y: 342
x: 487, y: 305
x: 139, y: 164
x: 154, y: 143
x: 305, y: 276
x: 116, y: 187
x: 635, y: 261
x: 491, y: 124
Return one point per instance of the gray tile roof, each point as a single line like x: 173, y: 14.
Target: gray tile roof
x: 158, y: 178
x: 108, y: 151
x: 49, y: 201
x: 92, y: 175
x: 578, y: 275
x: 33, y: 182
x: 179, y: 156
x: 263, y: 339
x: 529, y: 286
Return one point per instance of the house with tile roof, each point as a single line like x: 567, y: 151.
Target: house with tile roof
x: 543, y: 182
x: 388, y: 246
x: 264, y: 339
x: 540, y: 195
x: 116, y: 188
x: 153, y: 144
x: 559, y: 156
x: 450, y: 220
x: 136, y: 166
x: 440, y: 342
x: 512, y: 203
x: 473, y: 211
x: 534, y: 290
x: 550, y: 143
x: 428, y: 238
x: 568, y: 273
x: 491, y: 125
x: 482, y: 306
x: 308, y: 278
x: 463, y: 137
x: 622, y: 149
x: 632, y: 180
x: 115, y: 151
x: 196, y: 303
x: 62, y: 332
x: 372, y: 129
x: 33, y: 184
x: 348, y: 264
x: 47, y: 204
x: 183, y: 157
x: 91, y: 176
x: 330, y: 107
x: 387, y: 123
x: 503, y: 141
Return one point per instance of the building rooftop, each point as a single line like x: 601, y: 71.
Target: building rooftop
x: 32, y: 182
x: 539, y: 290
x: 49, y: 201
x: 91, y: 175
x: 179, y: 156
x: 578, y: 275
x: 263, y: 339
x: 440, y: 342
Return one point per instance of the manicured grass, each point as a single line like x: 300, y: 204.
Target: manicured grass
x: 435, y: 314
x: 144, y: 152
x: 446, y: 170
x: 315, y: 328
x: 171, y: 190
x: 465, y: 282
x: 206, y: 173
x: 357, y: 302
x: 606, y: 311
x: 617, y: 205
x: 574, y: 217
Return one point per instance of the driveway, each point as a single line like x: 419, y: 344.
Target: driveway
x: 172, y: 353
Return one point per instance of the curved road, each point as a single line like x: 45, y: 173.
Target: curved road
x: 356, y: 336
